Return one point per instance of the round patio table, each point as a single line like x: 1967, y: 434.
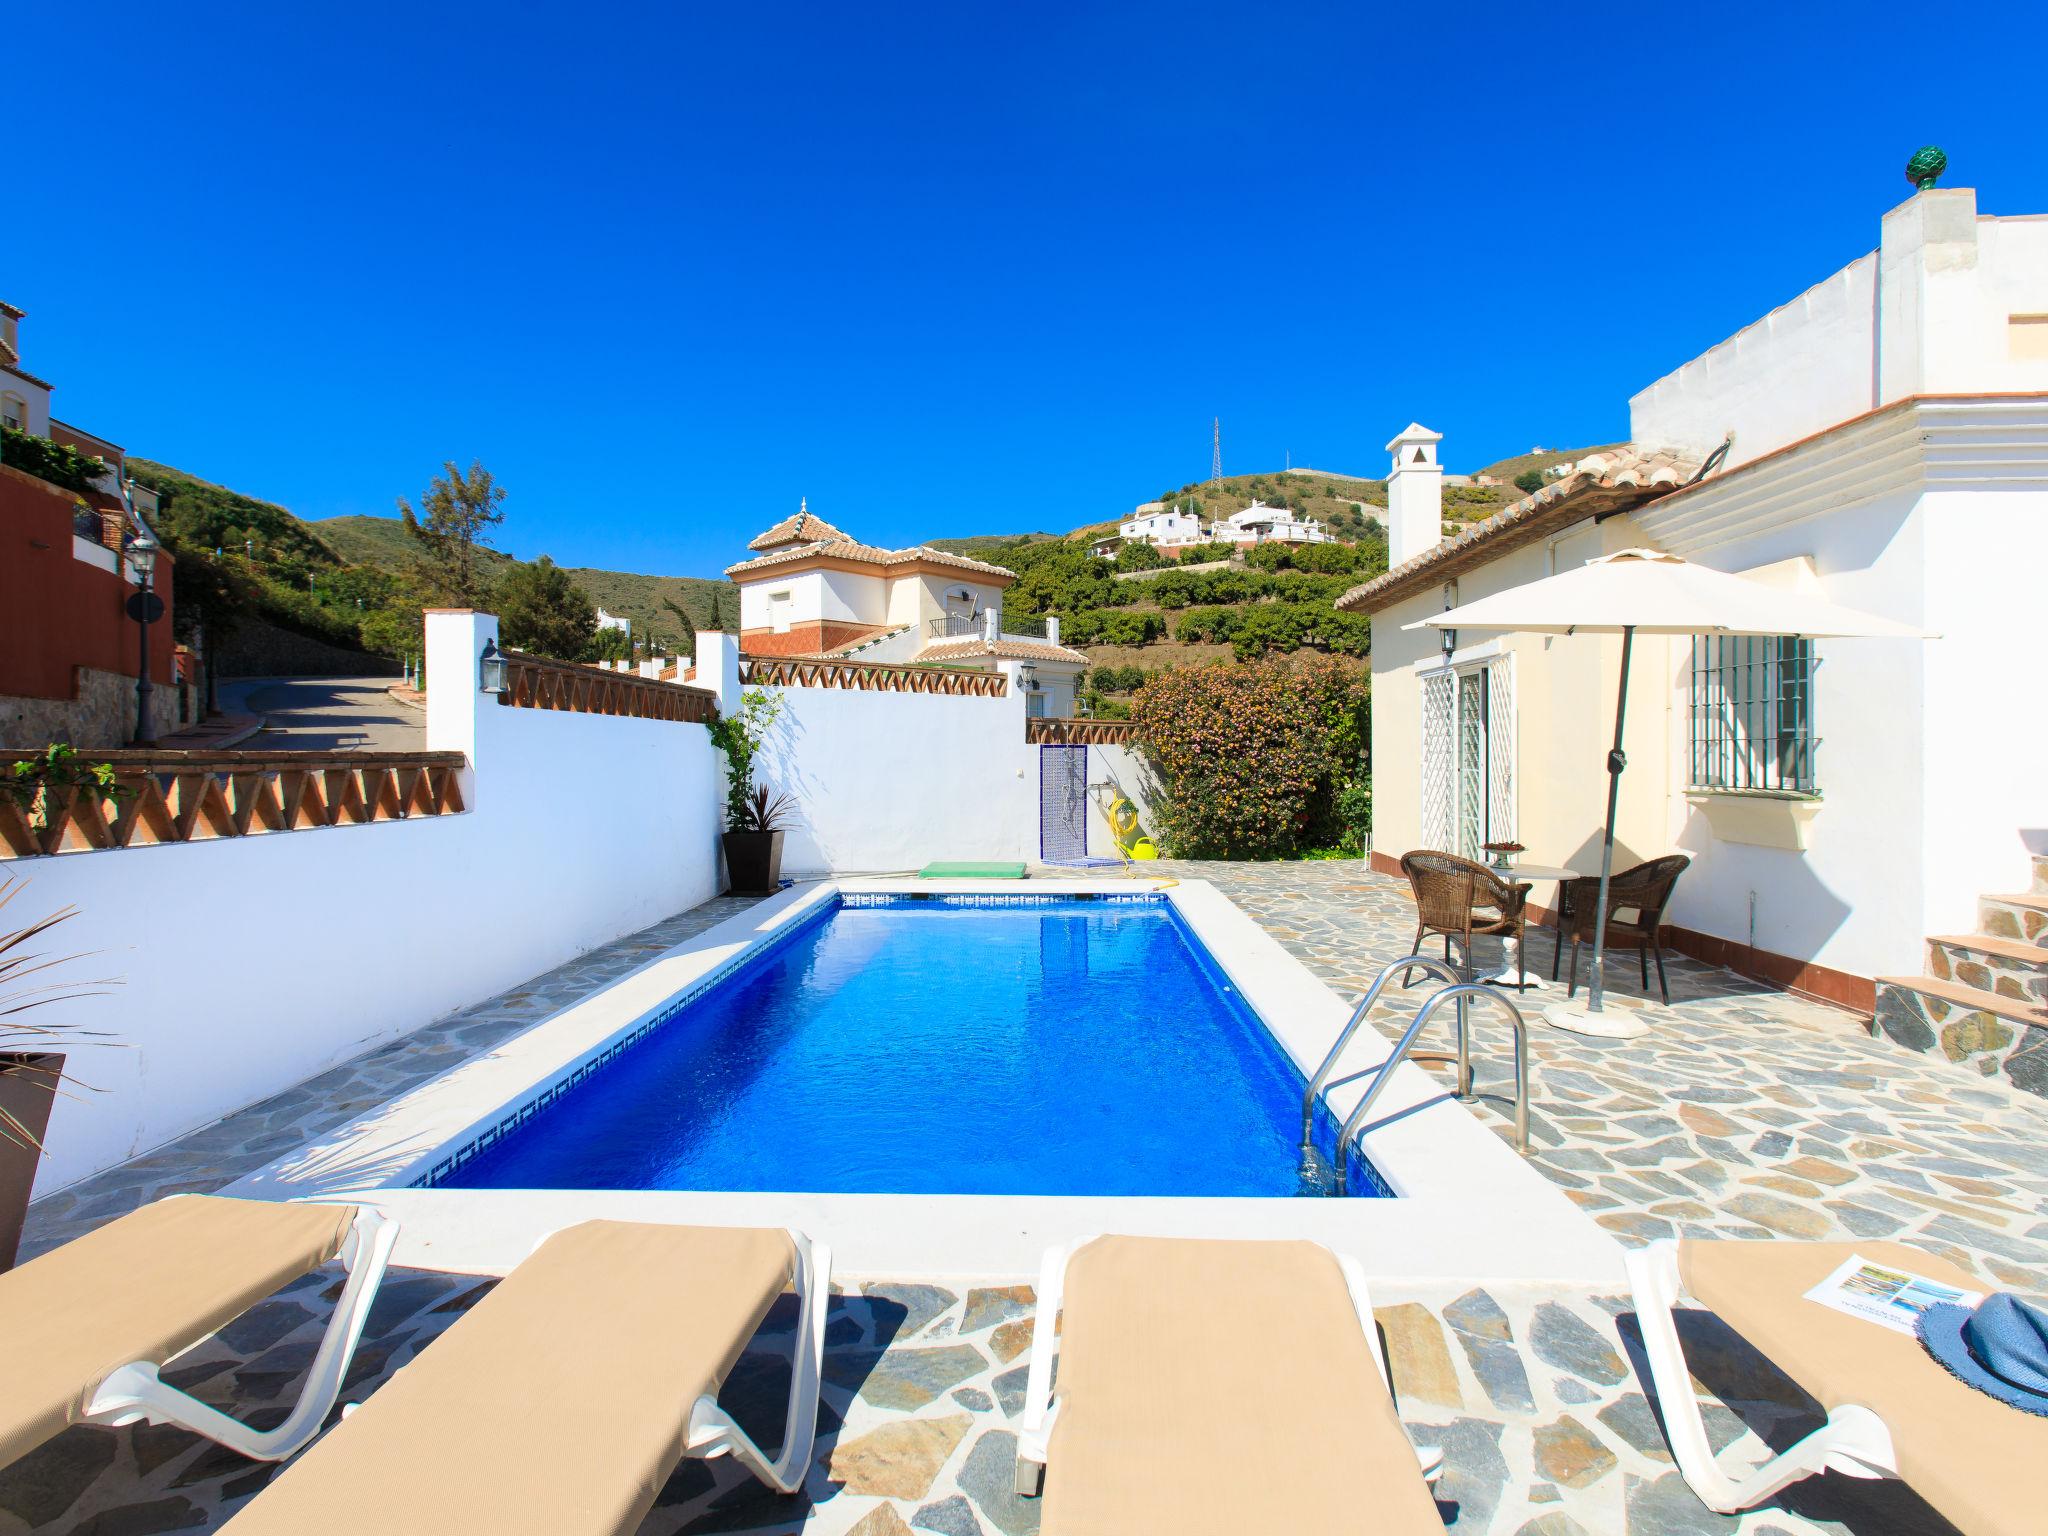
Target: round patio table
x: 1512, y: 974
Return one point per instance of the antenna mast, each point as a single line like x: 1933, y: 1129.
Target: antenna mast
x: 1216, y: 456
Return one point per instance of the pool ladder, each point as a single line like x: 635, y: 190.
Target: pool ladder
x: 1457, y: 990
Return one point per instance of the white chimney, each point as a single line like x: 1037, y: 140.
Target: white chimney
x: 1415, y: 494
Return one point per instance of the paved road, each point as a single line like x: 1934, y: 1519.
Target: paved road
x: 325, y: 714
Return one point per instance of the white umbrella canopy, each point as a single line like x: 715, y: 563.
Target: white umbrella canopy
x: 1646, y: 591
x: 1658, y: 594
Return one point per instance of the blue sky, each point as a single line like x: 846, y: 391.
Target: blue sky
x: 943, y: 269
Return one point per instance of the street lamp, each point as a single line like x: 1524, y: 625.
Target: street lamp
x: 493, y: 671
x: 143, y: 607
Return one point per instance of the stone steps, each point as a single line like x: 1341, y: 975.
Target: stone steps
x: 2020, y: 916
x: 1984, y: 1002
x: 1983, y: 1031
x: 2008, y: 967
x: 1955, y: 995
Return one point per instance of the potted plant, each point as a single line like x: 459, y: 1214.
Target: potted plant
x: 31, y: 1063
x: 754, y: 813
x: 753, y: 852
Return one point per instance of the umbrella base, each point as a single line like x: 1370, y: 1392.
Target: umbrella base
x: 1612, y: 1024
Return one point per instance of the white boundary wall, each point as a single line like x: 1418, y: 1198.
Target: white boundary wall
x: 251, y: 964
x: 889, y: 782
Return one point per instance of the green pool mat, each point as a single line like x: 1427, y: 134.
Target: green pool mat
x: 970, y: 870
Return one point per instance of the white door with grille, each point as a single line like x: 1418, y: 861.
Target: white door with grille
x: 1468, y: 756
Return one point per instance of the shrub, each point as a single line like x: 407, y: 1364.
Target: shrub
x: 1137, y: 555
x: 54, y: 462
x: 1254, y: 759
x: 1529, y: 481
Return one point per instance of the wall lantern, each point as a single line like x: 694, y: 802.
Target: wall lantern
x: 1027, y: 678
x: 1450, y: 640
x: 493, y: 671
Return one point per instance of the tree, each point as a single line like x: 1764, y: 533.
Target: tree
x: 1529, y: 481
x: 541, y: 610
x: 608, y: 644
x: 1137, y: 555
x: 459, y: 512
x: 687, y: 625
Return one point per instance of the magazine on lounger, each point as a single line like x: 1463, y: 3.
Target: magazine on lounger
x: 1879, y: 1293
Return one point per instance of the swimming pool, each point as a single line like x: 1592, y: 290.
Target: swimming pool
x: 907, y: 1044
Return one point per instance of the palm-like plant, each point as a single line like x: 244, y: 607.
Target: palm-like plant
x: 767, y: 809
x: 27, y: 982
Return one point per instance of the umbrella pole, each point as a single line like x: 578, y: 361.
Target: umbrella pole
x: 1616, y: 761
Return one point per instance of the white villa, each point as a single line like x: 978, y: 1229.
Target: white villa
x: 1171, y: 528
x: 1881, y: 438
x: 1157, y: 524
x: 1261, y: 524
x: 817, y: 593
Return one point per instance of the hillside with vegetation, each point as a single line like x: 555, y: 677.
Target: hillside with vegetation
x: 355, y: 582
x: 383, y: 543
x: 1142, y: 613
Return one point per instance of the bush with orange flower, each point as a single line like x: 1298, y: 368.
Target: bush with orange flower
x: 1253, y: 759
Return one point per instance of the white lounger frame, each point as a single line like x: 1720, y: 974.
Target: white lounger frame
x: 135, y: 1392
x: 1034, y: 1437
x: 1854, y: 1441
x: 712, y: 1431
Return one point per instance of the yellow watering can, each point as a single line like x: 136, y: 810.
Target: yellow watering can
x: 1130, y: 842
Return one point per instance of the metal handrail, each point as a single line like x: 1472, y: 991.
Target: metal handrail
x: 1442, y: 969
x: 1461, y: 990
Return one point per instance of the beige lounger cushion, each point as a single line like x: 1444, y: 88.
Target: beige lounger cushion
x: 143, y: 1287
x: 557, y: 1406
x: 1220, y: 1389
x: 1981, y: 1463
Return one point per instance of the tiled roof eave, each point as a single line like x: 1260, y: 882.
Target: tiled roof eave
x: 1001, y: 650
x: 868, y: 554
x: 1607, y: 486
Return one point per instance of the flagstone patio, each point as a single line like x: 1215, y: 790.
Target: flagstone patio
x: 1744, y: 1112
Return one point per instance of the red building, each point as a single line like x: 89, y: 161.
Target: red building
x: 69, y: 653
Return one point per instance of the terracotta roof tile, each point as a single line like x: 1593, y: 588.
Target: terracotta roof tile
x: 1002, y: 650
x: 842, y: 651
x: 1599, y: 484
x: 804, y: 528
x: 843, y: 548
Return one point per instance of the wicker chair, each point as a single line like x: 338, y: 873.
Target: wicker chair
x: 1644, y: 891
x: 1461, y: 900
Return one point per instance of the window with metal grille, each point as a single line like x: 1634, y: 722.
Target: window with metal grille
x: 1752, y: 713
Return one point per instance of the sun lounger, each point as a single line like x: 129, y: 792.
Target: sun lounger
x: 84, y: 1327
x: 1892, y: 1411
x: 562, y: 1401
x: 1212, y: 1389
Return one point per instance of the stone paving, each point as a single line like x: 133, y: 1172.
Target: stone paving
x: 1744, y: 1112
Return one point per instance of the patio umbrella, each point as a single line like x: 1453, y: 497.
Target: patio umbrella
x: 1649, y: 592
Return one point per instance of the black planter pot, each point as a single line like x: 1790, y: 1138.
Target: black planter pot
x: 28, y: 1084
x: 753, y: 862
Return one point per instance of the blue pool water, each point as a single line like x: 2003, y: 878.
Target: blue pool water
x: 926, y: 1047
